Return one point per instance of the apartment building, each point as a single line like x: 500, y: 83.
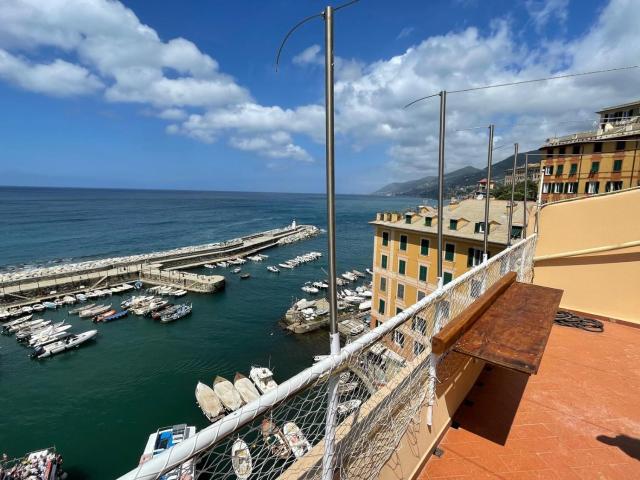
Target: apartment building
x: 405, y: 249
x: 598, y: 161
x: 533, y: 173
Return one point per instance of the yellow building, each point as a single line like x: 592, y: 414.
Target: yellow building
x: 598, y: 161
x: 405, y: 249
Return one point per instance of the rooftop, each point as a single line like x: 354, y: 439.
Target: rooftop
x: 576, y: 419
x: 621, y: 106
x: 471, y: 210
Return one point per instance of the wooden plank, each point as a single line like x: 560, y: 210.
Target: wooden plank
x: 514, y: 330
x: 450, y: 334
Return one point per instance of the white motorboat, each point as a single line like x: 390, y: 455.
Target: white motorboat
x: 285, y: 265
x: 209, y: 402
x: 320, y: 285
x: 81, y: 297
x: 348, y: 406
x: 262, y: 377
x: 227, y: 393
x: 309, y: 289
x: 81, y: 308
x: 245, y: 388
x: 68, y: 300
x: 28, y: 325
x: 209, y: 265
x: 241, y: 459
x: 38, y: 307
x: 273, y: 269
x: 369, y: 271
x: 165, y: 438
x: 7, y: 326
x: 92, y: 312
x: 48, y: 333
x: 63, y: 345
x: 59, y: 334
x: 236, y: 270
x: 25, y: 334
x: 179, y: 293
x: 27, y: 309
x: 50, y: 305
x: 349, y: 276
x: 366, y: 305
x: 295, y: 438
x: 357, y: 273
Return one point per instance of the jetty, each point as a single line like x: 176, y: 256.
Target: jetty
x: 26, y: 286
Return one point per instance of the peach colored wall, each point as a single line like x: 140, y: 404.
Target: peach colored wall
x: 604, y: 283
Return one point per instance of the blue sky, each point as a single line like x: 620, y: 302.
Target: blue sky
x: 184, y: 94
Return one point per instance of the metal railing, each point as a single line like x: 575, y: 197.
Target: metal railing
x: 383, y: 377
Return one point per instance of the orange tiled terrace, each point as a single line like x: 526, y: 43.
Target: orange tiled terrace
x: 579, y: 418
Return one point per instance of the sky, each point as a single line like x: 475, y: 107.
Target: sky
x: 185, y: 95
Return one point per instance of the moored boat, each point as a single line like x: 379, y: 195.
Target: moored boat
x: 165, y: 438
x: 295, y: 438
x: 209, y: 402
x: 76, y: 311
x: 274, y: 439
x: 115, y: 316
x: 246, y: 388
x: 102, y: 316
x: 180, y: 312
x: 241, y: 459
x: 63, y: 345
x: 262, y: 377
x: 227, y: 393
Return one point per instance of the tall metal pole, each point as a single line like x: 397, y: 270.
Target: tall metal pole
x: 443, y: 109
x: 524, y: 205
x: 513, y: 189
x: 488, y: 194
x: 328, y: 460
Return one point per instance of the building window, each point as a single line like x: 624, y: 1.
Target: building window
x: 592, y: 187
x: 597, y: 148
x: 424, y: 246
x: 418, y: 348
x: 403, y: 242
x: 571, y: 187
x: 383, y: 261
x: 423, y: 272
x: 447, y: 277
x: 453, y: 224
x: 545, y: 188
x: 421, y: 295
x: 620, y: 145
x: 402, y: 267
x: 398, y: 310
x: 474, y: 257
x: 479, y: 228
x: 407, y: 218
x: 617, y: 165
x: 383, y: 284
x: 548, y: 170
x: 549, y: 152
x: 398, y: 338
x: 573, y: 169
x: 381, y: 305
x: 613, y: 186
x: 516, y: 231
x: 595, y: 167
x: 576, y: 150
x: 449, y: 251
x: 559, y: 170
x: 557, y: 187
x: 561, y: 150
x: 427, y: 221
x: 385, y: 239
x: 400, y: 293
x: 419, y: 325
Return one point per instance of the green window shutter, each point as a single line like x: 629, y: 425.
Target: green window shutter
x: 427, y: 221
x: 617, y: 166
x: 470, y: 258
x: 423, y: 273
x: 424, y: 246
x: 403, y: 242
x: 447, y: 277
x: 449, y: 252
x: 383, y: 261
x: 453, y: 224
x: 381, y: 306
x: 385, y: 239
x: 402, y: 266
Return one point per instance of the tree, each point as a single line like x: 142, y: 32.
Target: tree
x: 503, y: 192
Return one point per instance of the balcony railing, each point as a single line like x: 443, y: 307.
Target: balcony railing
x: 383, y: 380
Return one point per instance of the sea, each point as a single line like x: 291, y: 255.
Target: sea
x: 98, y: 404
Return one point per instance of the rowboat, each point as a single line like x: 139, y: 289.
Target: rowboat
x: 241, y: 459
x: 209, y: 402
x: 227, y: 393
x: 102, y: 316
x: 295, y: 438
x: 81, y: 308
x: 245, y: 388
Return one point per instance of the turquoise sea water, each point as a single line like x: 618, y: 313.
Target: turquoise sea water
x: 98, y: 404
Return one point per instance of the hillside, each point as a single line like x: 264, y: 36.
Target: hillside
x: 455, y: 181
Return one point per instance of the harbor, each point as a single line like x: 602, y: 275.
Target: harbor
x: 29, y: 286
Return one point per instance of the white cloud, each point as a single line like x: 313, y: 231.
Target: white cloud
x: 405, y: 32
x: 310, y: 55
x: 274, y: 145
x: 543, y: 11
x: 58, y: 78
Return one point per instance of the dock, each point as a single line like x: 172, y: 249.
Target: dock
x: 157, y: 268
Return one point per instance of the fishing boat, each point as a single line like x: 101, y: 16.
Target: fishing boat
x: 349, y: 406
x: 60, y: 346
x: 241, y: 459
x: 245, y: 388
x: 273, y: 269
x: 180, y: 312
x: 236, y: 270
x: 76, y: 311
x: 245, y: 276
x: 274, y: 439
x: 115, y: 316
x: 262, y: 377
x: 167, y: 437
x: 295, y: 438
x: 209, y: 402
x: 167, y: 309
x: 227, y: 393
x: 9, y: 325
x: 102, y: 316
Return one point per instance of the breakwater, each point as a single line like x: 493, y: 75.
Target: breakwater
x: 159, y: 268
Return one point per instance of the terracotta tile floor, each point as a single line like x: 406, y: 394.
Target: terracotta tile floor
x: 579, y: 418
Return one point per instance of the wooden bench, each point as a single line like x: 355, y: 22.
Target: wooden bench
x: 508, y: 325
